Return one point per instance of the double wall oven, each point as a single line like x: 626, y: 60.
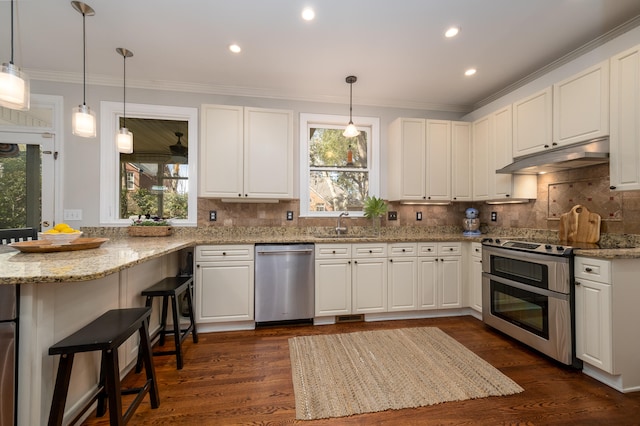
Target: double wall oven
x: 528, y: 293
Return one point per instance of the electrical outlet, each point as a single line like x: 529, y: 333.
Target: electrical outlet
x: 418, y: 215
x: 213, y: 215
x: 289, y: 215
x: 392, y: 216
x: 494, y: 216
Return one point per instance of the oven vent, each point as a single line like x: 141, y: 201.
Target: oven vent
x: 349, y: 318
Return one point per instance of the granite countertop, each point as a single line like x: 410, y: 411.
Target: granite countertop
x: 122, y: 252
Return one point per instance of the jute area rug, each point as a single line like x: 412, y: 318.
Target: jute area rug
x: 344, y: 374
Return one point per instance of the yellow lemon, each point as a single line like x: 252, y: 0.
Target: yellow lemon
x: 52, y: 231
x: 68, y: 231
x: 61, y: 227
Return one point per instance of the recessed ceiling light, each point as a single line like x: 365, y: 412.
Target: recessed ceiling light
x: 452, y: 32
x: 470, y: 72
x: 308, y: 14
x: 235, y: 48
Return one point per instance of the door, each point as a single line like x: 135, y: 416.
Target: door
x: 333, y: 287
x: 369, y: 285
x: 27, y: 179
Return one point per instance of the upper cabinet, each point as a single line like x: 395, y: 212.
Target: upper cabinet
x: 581, y: 106
x: 419, y: 160
x: 461, y: 189
x: 625, y: 120
x: 246, y: 153
x: 532, y: 130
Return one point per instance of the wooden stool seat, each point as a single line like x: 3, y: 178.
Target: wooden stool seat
x: 171, y: 288
x: 106, y: 333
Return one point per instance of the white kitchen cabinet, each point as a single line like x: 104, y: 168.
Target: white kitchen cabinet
x: 492, y: 149
x: 419, y: 160
x: 461, y: 169
x: 332, y: 279
x: 246, y: 153
x: 369, y: 277
x: 625, y: 120
x: 224, y: 283
x: 607, y: 318
x: 581, y: 106
x: 439, y: 275
x: 402, y: 277
x: 474, y: 279
x: 532, y: 123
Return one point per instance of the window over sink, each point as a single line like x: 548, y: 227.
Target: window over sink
x: 337, y: 173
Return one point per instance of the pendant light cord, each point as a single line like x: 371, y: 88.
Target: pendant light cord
x: 350, y: 102
x: 11, y: 61
x: 84, y: 62
x: 124, y: 91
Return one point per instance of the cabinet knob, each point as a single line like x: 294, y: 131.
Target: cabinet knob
x: 390, y: 260
x: 612, y: 187
x: 370, y: 251
x: 428, y: 249
x: 424, y: 198
x: 355, y: 261
x: 554, y: 144
x: 334, y: 252
x: 450, y: 248
x: 246, y: 195
x: 429, y: 198
x: 577, y: 282
x: 477, y: 250
x: 224, y: 253
x: 349, y: 262
x: 239, y: 195
x: 404, y: 250
x: 588, y: 269
x: 507, y: 195
x: 197, y: 266
x: 546, y: 146
x: 437, y: 259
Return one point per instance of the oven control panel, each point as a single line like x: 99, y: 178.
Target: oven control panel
x: 530, y: 246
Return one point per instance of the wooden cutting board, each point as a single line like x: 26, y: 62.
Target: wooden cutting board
x: 579, y: 225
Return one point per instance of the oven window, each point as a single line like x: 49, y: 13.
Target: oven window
x: 531, y: 273
x: 523, y: 308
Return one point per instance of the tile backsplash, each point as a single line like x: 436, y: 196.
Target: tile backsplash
x: 557, y: 193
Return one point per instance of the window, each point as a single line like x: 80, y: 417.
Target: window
x: 159, y: 178
x: 337, y: 173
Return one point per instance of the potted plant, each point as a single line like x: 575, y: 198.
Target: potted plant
x: 374, y: 208
x: 146, y: 226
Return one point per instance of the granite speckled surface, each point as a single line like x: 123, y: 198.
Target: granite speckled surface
x: 122, y: 251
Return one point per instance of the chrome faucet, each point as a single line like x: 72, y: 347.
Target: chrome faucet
x: 339, y: 228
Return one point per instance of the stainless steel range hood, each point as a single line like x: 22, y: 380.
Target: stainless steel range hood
x: 564, y: 158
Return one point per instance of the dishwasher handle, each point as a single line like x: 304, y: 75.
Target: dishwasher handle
x: 301, y: 251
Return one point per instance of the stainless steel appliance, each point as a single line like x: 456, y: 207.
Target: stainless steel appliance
x: 528, y: 293
x: 284, y: 282
x: 8, y: 353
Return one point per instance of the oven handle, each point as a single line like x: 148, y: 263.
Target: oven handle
x: 527, y: 287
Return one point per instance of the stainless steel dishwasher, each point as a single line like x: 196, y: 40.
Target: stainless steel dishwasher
x: 284, y: 283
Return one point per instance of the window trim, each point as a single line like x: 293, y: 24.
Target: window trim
x: 110, y: 113
x: 317, y: 120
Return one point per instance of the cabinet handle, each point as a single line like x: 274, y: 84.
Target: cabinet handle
x: 436, y: 259
x: 239, y: 195
x: 224, y: 253
x: 334, y: 252
x: 355, y: 261
x: 588, y: 269
x: 477, y: 250
x: 455, y: 198
x: 370, y: 251
x: 246, y: 195
x: 612, y: 187
x: 424, y: 198
x: 429, y: 198
x: 546, y: 146
x: 577, y: 282
x: 197, y: 266
x: 428, y: 249
x: 450, y: 248
x: 390, y: 260
x: 349, y: 262
x: 507, y: 195
x: 554, y: 144
x: 404, y: 250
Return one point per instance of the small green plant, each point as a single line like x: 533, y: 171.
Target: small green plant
x: 374, y: 207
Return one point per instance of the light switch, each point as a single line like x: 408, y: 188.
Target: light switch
x: 213, y: 215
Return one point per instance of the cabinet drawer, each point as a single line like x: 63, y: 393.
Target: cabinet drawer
x: 476, y: 250
x: 403, y: 249
x: 427, y: 249
x: 449, y: 249
x: 224, y: 252
x: 593, y: 269
x: 333, y: 251
x: 369, y: 250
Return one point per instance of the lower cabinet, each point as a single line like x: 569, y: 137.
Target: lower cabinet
x: 402, y: 277
x: 439, y: 275
x: 224, y: 283
x: 475, y: 277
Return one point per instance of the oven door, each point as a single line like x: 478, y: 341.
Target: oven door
x: 537, y: 317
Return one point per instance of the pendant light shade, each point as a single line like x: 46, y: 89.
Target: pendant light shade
x: 351, y: 130
x: 83, y: 122
x: 14, y: 84
x: 124, y: 138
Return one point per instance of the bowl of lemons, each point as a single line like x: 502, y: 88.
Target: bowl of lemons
x: 60, y: 234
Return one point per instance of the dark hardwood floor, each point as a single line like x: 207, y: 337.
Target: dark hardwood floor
x: 244, y: 378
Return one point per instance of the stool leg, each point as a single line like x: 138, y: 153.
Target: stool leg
x: 103, y: 392
x: 60, y: 390
x: 145, y: 344
x: 112, y: 384
x: 163, y: 321
x: 176, y: 330
x: 148, y: 303
x: 194, y: 332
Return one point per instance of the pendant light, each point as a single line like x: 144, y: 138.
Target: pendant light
x: 83, y: 122
x: 351, y: 130
x: 124, y: 139
x: 14, y: 84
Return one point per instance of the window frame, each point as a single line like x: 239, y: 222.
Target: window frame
x: 308, y: 120
x: 110, y: 113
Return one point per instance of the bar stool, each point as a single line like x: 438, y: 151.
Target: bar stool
x: 171, y: 287
x: 106, y: 333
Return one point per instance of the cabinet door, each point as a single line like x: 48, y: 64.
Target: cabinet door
x: 268, y: 153
x: 402, y: 283
x: 450, y: 282
x: 438, y: 160
x: 482, y: 130
x: 333, y: 287
x: 427, y: 283
x: 224, y: 291
x: 532, y: 129
x: 581, y: 106
x: 501, y: 153
x: 475, y: 281
x: 407, y: 153
x: 461, y: 161
x: 625, y: 120
x: 221, y: 151
x: 593, y: 324
x: 369, y: 285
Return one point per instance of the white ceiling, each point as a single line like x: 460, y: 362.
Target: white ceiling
x: 396, y: 48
